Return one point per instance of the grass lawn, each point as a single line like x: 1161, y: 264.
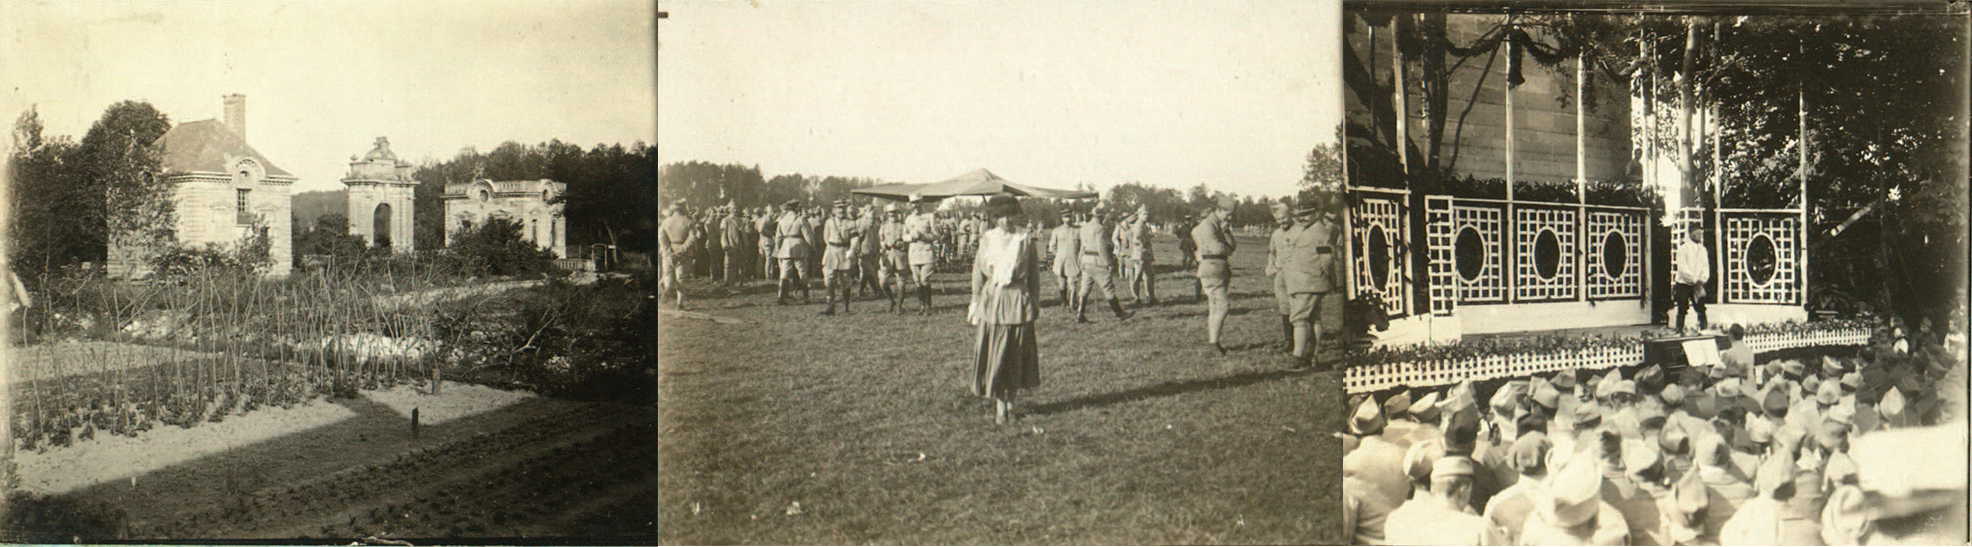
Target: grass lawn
x: 798, y: 429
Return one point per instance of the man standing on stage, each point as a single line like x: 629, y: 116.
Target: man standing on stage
x: 921, y: 230
x: 1067, y: 245
x: 1693, y: 268
x: 1215, y: 246
x: 791, y: 250
x: 839, y: 257
x: 676, y: 237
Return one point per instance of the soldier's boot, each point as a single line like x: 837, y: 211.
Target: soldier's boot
x: 828, y: 293
x: 924, y: 299
x: 1287, y: 332
x: 780, y: 297
x: 1116, y: 307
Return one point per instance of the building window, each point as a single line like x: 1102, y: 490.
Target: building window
x: 240, y: 206
x: 534, y: 230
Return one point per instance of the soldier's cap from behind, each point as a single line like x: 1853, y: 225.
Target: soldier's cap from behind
x: 1452, y: 466
x: 791, y: 205
x: 1367, y: 419
x: 1573, y: 494
x: 1425, y: 409
x: 1397, y: 404
x: 1528, y: 455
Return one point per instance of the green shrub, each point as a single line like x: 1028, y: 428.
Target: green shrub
x: 497, y: 248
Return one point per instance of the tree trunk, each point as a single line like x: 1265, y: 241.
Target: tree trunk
x: 1685, y: 83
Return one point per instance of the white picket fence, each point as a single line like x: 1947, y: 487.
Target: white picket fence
x: 1369, y: 378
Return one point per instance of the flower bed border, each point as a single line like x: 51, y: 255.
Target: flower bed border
x: 1368, y: 378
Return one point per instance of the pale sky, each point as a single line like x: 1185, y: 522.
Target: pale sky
x: 324, y: 79
x: 1231, y: 94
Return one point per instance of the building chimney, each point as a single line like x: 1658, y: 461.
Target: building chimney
x: 236, y: 114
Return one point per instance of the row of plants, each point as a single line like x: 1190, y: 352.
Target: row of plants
x: 56, y: 412
x: 240, y: 341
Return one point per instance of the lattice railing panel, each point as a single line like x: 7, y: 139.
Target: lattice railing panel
x: 1532, y: 281
x: 1489, y: 285
x: 1444, y: 271
x: 1762, y: 258
x: 1381, y: 222
x: 1625, y: 231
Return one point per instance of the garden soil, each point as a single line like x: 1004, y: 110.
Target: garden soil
x: 483, y: 463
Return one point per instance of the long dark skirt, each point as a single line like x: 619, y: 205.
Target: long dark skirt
x: 1008, y: 360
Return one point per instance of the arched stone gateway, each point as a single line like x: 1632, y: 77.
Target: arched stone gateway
x: 380, y: 194
x: 380, y: 225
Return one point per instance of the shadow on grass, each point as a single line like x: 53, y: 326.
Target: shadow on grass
x: 1165, y: 389
x: 1235, y: 312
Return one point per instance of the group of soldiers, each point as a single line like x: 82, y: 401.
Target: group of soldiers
x: 868, y: 250
x: 892, y: 250
x: 1830, y: 451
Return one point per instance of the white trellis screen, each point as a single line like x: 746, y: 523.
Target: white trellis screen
x: 1444, y: 272
x: 1377, y: 247
x: 1762, y: 252
x: 1533, y: 228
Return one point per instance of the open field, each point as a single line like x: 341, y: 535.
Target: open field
x: 795, y: 429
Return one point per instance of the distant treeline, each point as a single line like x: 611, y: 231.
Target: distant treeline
x: 704, y: 184
x: 612, y: 190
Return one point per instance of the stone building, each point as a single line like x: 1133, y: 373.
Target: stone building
x: 523, y: 201
x: 223, y: 191
x: 380, y: 195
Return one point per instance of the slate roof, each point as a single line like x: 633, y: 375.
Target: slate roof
x: 207, y: 145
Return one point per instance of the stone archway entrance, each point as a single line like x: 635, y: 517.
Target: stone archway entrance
x: 380, y: 226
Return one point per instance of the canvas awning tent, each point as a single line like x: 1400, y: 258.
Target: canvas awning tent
x: 976, y: 183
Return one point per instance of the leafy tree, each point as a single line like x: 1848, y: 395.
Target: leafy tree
x: 49, y: 210
x: 496, y: 247
x: 121, y: 157
x: 329, y: 236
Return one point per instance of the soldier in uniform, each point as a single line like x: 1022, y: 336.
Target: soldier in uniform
x: 1067, y: 245
x: 921, y: 230
x: 896, y: 256
x: 869, y: 255
x: 675, y: 239
x: 1215, y: 245
x: 791, y: 250
x: 1096, y: 267
x: 1128, y: 259
x: 1442, y: 515
x: 1276, y: 247
x: 1308, y: 272
x: 768, y: 231
x: 1187, y: 249
x: 1146, y: 273
x: 732, y: 238
x: 838, y: 258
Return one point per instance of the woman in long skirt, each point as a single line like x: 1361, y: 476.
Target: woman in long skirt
x: 1005, y: 283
